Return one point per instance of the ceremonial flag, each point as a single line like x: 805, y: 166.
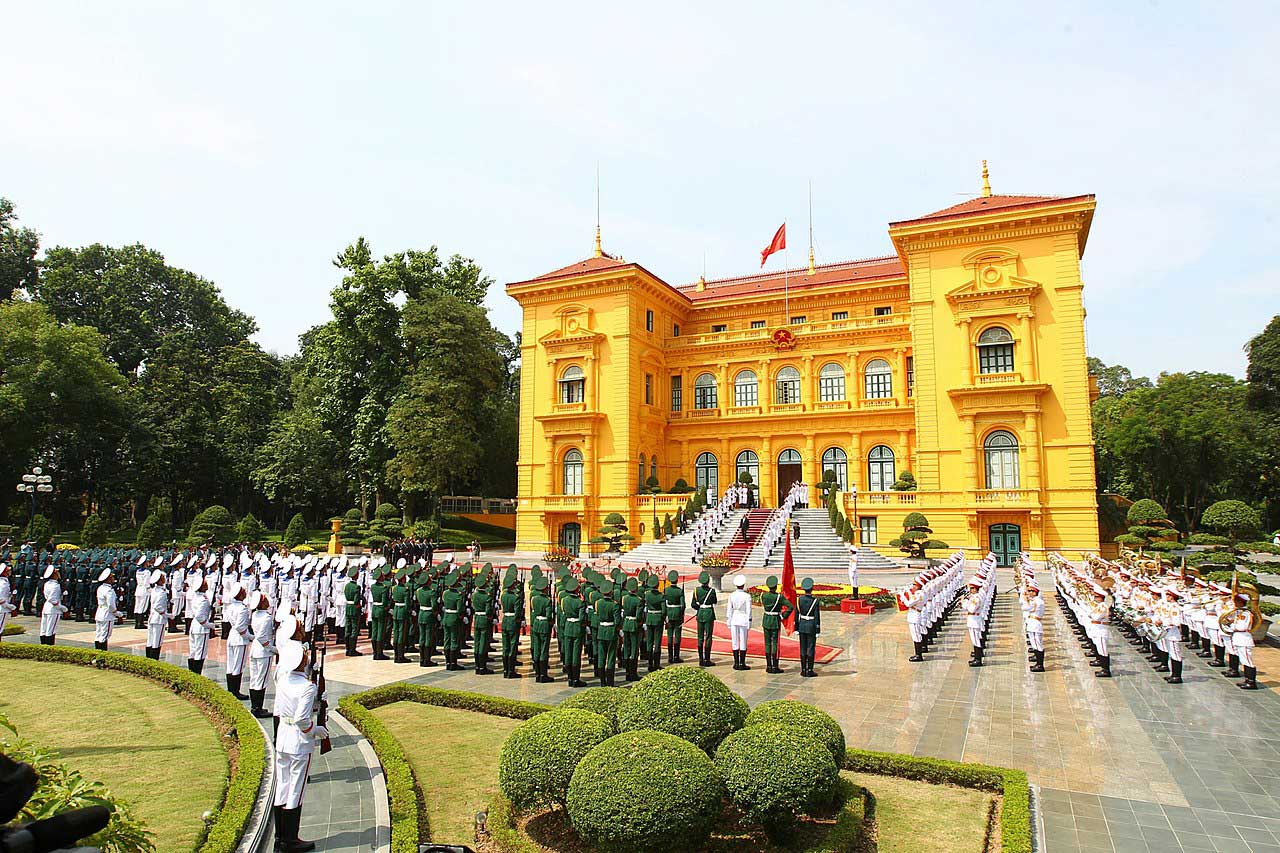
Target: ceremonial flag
x: 779, y: 242
x: 789, y: 581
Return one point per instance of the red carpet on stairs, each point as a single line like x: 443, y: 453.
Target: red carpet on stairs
x: 757, y: 520
x: 788, y: 647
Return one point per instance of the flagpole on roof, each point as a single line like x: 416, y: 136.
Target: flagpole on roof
x: 599, y: 247
x: 810, y: 226
x: 786, y: 287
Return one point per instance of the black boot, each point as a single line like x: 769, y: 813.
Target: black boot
x: 1250, y: 679
x: 297, y: 845
x: 1038, y: 666
x: 745, y: 665
x: 1105, y: 670
x: 1163, y: 665
x: 233, y: 686
x: 279, y: 822
x: 191, y: 664
x: 1175, y: 676
x: 777, y: 665
x: 976, y: 660
x: 919, y: 655
x: 574, y: 679
x: 1204, y: 648
x: 1218, y: 653
x: 1233, y: 667
x: 257, y: 698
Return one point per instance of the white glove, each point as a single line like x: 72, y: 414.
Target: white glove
x: 319, y: 732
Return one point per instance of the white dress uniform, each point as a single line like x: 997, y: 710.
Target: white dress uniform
x: 1035, y: 622
x: 51, y: 613
x: 240, y: 636
x: 104, y: 618
x: 296, y: 702
x: 263, y: 647
x: 6, y: 597
x: 201, y: 628
x: 159, y: 615
x: 738, y: 615
x: 141, y: 594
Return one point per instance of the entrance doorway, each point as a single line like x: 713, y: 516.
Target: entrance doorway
x: 789, y: 473
x: 1006, y: 543
x: 571, y: 537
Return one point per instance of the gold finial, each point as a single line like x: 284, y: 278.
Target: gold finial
x: 986, y: 181
x: 599, y: 248
x: 702, y: 283
x: 810, y: 260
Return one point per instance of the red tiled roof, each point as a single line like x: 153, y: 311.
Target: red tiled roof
x: 983, y: 204
x: 868, y: 269
x: 603, y: 262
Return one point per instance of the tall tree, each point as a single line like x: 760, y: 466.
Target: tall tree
x: 1115, y: 380
x: 1263, y: 372
x: 244, y: 403
x: 18, y: 249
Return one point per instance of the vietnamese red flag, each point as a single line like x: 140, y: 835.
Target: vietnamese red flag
x: 779, y: 242
x: 789, y: 582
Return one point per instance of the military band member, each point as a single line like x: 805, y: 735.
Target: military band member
x: 809, y: 627
x: 201, y: 625
x: 106, y: 614
x: 158, y: 614
x: 738, y: 617
x: 973, y: 621
x: 52, y: 611
x: 1239, y: 622
x: 239, y: 636
x: 674, y: 597
x: 1099, y: 620
x: 1034, y: 620
x: 776, y: 610
x: 704, y: 610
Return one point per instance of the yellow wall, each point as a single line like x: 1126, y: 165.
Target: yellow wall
x: 1018, y: 269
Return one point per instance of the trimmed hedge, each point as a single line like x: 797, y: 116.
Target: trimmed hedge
x: 1015, y: 809
x: 539, y: 756
x: 645, y: 790
x: 12, y: 629
x: 602, y: 700
x: 408, y: 818
x: 775, y: 773
x: 684, y: 701
x: 231, y: 817
x: 812, y: 720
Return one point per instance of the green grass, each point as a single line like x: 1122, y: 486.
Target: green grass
x: 454, y: 755
x: 154, y: 749
x: 919, y: 817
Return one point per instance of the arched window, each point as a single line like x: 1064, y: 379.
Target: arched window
x: 880, y: 474
x: 995, y: 351
x: 831, y: 383
x: 745, y: 389
x: 750, y: 463
x: 879, y: 379
x: 1001, y: 451
x: 704, y: 392
x: 573, y: 472
x: 788, y: 390
x: 834, y: 459
x: 653, y: 467
x: 706, y: 472
x: 789, y: 457
x: 640, y: 477
x: 573, y: 385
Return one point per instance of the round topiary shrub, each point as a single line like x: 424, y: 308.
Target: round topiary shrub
x: 540, y: 754
x: 600, y: 700
x: 812, y: 721
x: 684, y: 701
x: 775, y: 773
x: 645, y: 790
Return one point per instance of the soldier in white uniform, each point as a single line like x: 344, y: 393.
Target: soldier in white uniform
x: 158, y: 614
x: 238, y: 637
x: 6, y: 596
x: 1099, y: 615
x: 1239, y: 623
x: 141, y: 593
x: 1171, y: 617
x: 1034, y: 618
x: 177, y: 590
x: 263, y: 647
x: 104, y: 618
x: 51, y: 613
x: 973, y: 620
x: 201, y: 624
x: 738, y: 617
x: 297, y: 700
x: 853, y: 569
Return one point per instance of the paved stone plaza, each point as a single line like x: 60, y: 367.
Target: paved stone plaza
x: 1125, y: 764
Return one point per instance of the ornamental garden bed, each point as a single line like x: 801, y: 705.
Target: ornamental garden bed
x: 830, y: 595
x: 676, y: 762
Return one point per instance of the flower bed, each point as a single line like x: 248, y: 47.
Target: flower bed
x: 830, y: 595
x: 716, y: 560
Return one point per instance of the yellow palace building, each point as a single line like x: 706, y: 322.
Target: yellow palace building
x: 959, y: 358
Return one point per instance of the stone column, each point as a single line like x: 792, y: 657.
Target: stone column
x: 1026, y: 349
x: 965, y: 328
x: 811, y: 473
x: 970, y: 454
x: 1031, y: 449
x: 768, y: 493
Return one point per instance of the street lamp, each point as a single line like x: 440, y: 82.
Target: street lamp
x: 35, y: 482
x: 857, y: 529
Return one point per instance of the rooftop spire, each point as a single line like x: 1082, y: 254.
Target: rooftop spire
x: 986, y: 181
x: 599, y: 248
x: 810, y: 227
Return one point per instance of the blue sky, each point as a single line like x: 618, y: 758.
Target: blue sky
x: 251, y: 142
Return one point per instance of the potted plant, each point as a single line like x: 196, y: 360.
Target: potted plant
x: 613, y: 533
x: 915, y: 540
x: 716, y: 564
x: 557, y: 556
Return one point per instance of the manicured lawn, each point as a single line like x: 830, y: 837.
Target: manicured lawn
x: 455, y: 759
x: 915, y: 817
x: 148, y: 746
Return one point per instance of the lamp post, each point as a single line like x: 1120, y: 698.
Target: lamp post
x: 35, y: 482
x: 857, y: 529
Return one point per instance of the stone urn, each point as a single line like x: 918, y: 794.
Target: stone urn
x: 335, y: 541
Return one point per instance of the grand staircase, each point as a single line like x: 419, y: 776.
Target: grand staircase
x: 818, y: 549
x: 740, y: 549
x: 677, y: 550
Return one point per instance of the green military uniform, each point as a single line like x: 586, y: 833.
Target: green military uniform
x: 654, y: 607
x: 810, y: 626
x: 561, y: 594
x: 674, y: 596
x: 574, y: 608
x: 400, y: 615
x: 512, y: 604
x: 380, y: 594
x: 542, y: 616
x: 642, y: 586
x: 604, y: 626
x: 777, y: 609
x: 451, y: 620
x: 704, y: 608
x: 425, y: 596
x: 351, y: 595
x: 632, y: 618
x: 481, y: 607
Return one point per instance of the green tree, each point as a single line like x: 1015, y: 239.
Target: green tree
x: 1234, y: 518
x: 613, y: 533
x: 18, y: 249
x: 295, y: 465
x: 94, y: 532
x: 1115, y: 380
x: 243, y: 401
x: 906, y: 482
x: 296, y: 533
x: 1263, y: 372
x: 915, y: 534
x: 215, y: 526
x: 1148, y: 522
x: 152, y: 532
x: 39, y: 530
x: 250, y: 530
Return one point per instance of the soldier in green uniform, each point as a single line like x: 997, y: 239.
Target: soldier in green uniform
x: 604, y: 627
x: 632, y: 611
x: 512, y: 616
x: 351, y: 596
x: 654, y: 607
x: 481, y: 606
x: 380, y: 595
x: 704, y: 609
x: 573, y: 614
x: 642, y: 586
x: 542, y: 615
x: 451, y: 620
x: 561, y: 594
x: 810, y: 626
x: 425, y: 596
x: 400, y: 613
x: 777, y: 610
x: 674, y: 596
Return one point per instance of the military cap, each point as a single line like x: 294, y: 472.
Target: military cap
x: 704, y: 578
x: 771, y: 581
x: 653, y: 581
x: 632, y: 584
x: 540, y: 584
x: 606, y: 587
x: 673, y: 576
x: 570, y: 584
x: 807, y: 584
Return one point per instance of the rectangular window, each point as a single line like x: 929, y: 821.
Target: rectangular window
x: 884, y: 310
x: 830, y: 386
x: 677, y: 393
x: 573, y: 390
x: 648, y: 389
x: 757, y: 324
x: 704, y: 396
x: 911, y: 375
x: 719, y: 327
x: 879, y: 385
x: 648, y: 320
x: 839, y: 315
x: 995, y: 358
x: 867, y: 524
x: 746, y: 394
x: 675, y: 330
x: 798, y: 320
